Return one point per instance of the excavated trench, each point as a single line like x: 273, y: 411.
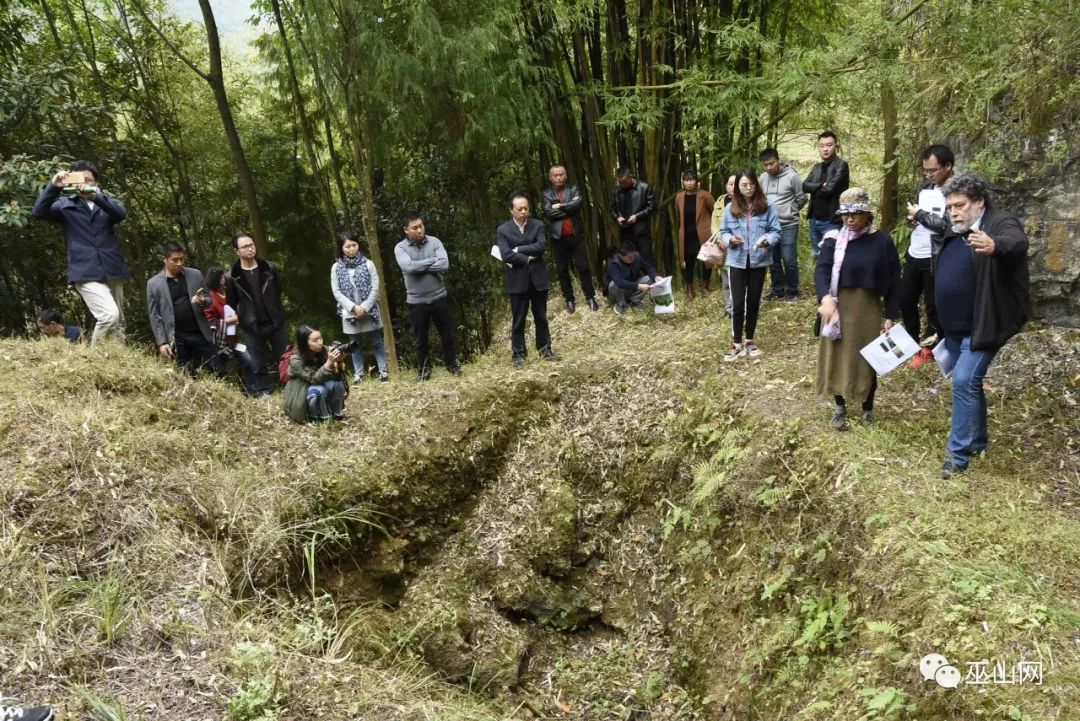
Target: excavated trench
x: 540, y: 554
x: 546, y: 552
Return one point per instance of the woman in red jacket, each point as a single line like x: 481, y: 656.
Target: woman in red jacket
x: 223, y: 319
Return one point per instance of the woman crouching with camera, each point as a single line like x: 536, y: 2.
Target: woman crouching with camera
x: 316, y: 389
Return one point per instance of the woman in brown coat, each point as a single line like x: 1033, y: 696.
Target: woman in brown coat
x: 694, y: 206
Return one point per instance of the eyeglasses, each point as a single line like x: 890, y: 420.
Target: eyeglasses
x: 927, y: 172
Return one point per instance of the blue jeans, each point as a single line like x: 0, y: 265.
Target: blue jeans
x: 244, y: 365
x: 377, y: 347
x: 785, y: 262
x: 968, y: 435
x: 326, y: 399
x: 818, y: 229
x: 247, y: 371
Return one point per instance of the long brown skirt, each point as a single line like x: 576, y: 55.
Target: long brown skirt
x: 841, y: 371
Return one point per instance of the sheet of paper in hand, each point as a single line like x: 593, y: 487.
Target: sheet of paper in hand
x: 932, y: 201
x: 890, y: 350
x: 663, y: 300
x: 946, y: 361
x: 497, y: 254
x: 230, y: 330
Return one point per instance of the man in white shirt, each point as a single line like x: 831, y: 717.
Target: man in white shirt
x: 929, y: 221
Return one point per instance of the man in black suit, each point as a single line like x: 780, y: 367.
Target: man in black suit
x: 562, y: 208
x: 522, y: 241
x: 632, y: 205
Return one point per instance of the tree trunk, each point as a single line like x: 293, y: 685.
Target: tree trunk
x: 890, y: 184
x: 328, y: 108
x: 360, y: 125
x: 307, y: 132
x: 216, y: 79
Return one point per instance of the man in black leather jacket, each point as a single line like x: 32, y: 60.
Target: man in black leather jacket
x: 632, y: 204
x: 982, y: 283
x: 562, y: 209
x: 826, y: 182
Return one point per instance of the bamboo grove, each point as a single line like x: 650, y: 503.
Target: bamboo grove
x: 342, y: 113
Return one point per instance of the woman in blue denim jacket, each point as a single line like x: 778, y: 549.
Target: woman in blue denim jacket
x: 751, y: 228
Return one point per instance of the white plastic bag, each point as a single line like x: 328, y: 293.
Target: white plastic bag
x: 663, y: 300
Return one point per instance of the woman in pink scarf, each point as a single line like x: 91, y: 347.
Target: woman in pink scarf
x: 858, y: 288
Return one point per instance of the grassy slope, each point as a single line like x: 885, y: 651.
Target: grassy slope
x: 636, y: 527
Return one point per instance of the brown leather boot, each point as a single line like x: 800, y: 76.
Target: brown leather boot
x: 704, y: 289
x: 688, y: 289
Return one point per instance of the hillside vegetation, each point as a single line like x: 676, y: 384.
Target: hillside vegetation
x: 637, y: 531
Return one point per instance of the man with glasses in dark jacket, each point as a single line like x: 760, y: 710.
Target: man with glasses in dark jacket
x: 254, y: 290
x: 981, y: 282
x: 929, y: 222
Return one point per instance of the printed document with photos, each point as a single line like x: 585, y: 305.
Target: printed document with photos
x: 932, y: 201
x: 890, y: 350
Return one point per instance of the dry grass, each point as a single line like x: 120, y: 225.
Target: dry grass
x: 594, y: 538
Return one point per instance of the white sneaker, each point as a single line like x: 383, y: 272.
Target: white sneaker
x: 736, y: 351
x: 751, y: 349
x: 13, y: 713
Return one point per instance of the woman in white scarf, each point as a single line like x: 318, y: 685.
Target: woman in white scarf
x: 858, y: 282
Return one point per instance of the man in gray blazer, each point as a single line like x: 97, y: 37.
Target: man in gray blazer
x: 522, y: 241
x: 175, y: 301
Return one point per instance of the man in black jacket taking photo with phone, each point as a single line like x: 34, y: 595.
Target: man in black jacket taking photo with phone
x: 75, y: 200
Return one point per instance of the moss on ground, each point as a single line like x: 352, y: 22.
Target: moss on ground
x: 637, y: 531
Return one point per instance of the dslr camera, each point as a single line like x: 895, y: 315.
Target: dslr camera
x: 344, y: 347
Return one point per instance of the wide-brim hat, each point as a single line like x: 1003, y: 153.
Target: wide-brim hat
x: 854, y: 200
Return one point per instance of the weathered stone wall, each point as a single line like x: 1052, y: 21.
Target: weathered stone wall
x: 1049, y: 207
